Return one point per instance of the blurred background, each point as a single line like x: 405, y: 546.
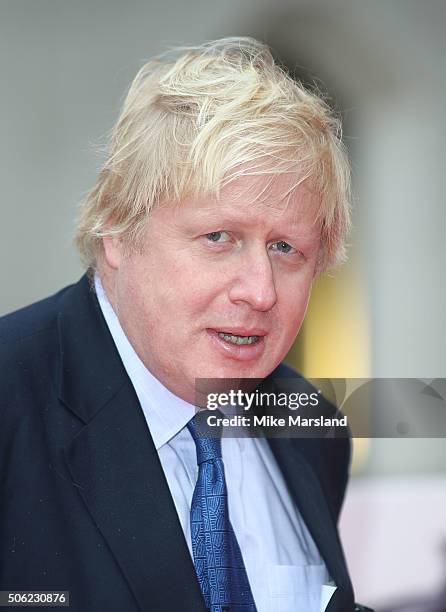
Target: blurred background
x: 64, y: 69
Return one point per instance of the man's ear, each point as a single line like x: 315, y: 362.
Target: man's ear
x: 112, y: 251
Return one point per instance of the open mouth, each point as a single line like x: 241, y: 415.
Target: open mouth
x: 239, y: 343
x: 239, y: 340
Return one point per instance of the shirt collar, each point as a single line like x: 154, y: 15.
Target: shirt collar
x: 166, y: 414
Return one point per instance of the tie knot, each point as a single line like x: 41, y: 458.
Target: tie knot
x: 208, y: 448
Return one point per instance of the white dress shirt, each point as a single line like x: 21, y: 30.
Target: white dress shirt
x: 283, y: 564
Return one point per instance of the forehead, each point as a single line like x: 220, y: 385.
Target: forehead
x: 253, y: 198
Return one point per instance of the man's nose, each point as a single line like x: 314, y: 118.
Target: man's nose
x: 254, y: 282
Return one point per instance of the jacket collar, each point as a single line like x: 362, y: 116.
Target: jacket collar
x: 90, y: 371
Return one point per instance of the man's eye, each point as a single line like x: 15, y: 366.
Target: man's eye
x: 218, y: 236
x: 282, y: 247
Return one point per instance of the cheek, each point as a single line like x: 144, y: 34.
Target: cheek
x: 294, y: 303
x: 170, y: 296
x: 139, y: 294
x: 191, y: 288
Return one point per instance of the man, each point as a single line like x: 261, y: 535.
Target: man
x: 224, y: 193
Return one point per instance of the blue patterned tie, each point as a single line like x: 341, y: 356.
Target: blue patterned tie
x: 217, y: 557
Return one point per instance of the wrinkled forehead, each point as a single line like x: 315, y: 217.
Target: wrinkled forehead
x: 266, y: 194
x: 277, y: 191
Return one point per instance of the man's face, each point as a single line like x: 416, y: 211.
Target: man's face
x: 220, y: 288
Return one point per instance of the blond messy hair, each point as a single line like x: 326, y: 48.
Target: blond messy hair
x: 196, y: 118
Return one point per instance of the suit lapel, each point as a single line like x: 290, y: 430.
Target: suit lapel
x: 296, y: 458
x: 115, y: 466
x: 305, y: 488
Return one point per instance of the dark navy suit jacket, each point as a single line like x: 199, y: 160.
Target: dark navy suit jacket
x: 84, y: 503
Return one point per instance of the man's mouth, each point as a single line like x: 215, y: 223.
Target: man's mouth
x: 236, y: 339
x: 238, y: 342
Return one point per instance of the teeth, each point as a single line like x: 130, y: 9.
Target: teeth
x: 238, y: 339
